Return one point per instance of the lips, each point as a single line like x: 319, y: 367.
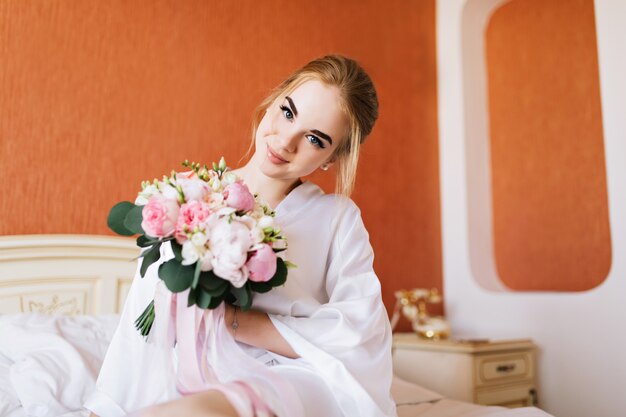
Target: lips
x: 274, y: 157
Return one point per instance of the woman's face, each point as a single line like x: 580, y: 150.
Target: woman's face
x: 300, y: 131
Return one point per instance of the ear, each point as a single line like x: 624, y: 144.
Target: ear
x: 326, y: 165
x: 330, y: 161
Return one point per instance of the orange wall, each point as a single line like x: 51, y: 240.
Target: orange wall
x: 97, y: 96
x: 551, y: 225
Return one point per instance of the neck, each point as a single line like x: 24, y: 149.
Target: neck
x: 270, y: 190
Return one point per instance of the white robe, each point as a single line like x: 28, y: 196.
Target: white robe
x: 330, y: 311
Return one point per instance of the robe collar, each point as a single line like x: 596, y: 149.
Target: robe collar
x: 296, y: 201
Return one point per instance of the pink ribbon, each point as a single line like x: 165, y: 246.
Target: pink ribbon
x: 193, y: 328
x: 200, y: 334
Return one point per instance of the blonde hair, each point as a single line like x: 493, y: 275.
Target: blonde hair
x: 358, y: 101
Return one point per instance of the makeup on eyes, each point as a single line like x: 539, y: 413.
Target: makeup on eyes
x: 285, y: 109
x: 294, y: 112
x: 316, y: 141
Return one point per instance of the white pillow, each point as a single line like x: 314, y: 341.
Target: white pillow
x: 408, y: 393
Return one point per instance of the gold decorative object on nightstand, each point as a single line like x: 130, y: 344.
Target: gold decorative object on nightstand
x: 498, y: 372
x: 412, y: 305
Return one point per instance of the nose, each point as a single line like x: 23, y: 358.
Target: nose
x: 288, y: 141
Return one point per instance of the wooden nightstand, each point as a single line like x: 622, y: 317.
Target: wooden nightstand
x: 497, y: 372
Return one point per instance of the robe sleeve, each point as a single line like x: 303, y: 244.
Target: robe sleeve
x: 134, y: 374
x: 348, y: 339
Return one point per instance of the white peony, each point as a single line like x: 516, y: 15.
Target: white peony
x: 257, y: 235
x: 248, y: 221
x: 229, y: 263
x: 216, y: 199
x: 234, y: 232
x: 230, y: 243
x: 194, y: 189
x: 225, y: 211
x: 168, y: 191
x: 206, y: 261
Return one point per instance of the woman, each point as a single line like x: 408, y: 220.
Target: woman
x: 321, y: 344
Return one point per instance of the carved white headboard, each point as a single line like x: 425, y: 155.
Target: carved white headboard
x: 65, y: 274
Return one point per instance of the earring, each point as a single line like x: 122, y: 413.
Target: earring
x: 324, y: 167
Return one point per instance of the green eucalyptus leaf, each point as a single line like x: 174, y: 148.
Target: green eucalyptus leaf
x: 116, y: 217
x: 196, y: 275
x: 144, y: 242
x: 210, y: 281
x: 149, y: 256
x: 177, y: 277
x: 247, y: 306
x: 191, y: 299
x: 203, y: 298
x: 213, y: 284
x: 178, y: 251
x: 133, y: 220
x: 229, y: 297
x: 280, y: 276
x: 260, y: 287
x: 244, y: 297
x: 216, y: 301
x: 220, y: 290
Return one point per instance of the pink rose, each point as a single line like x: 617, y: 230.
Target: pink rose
x: 159, y: 216
x: 192, y: 214
x: 238, y: 196
x: 262, y: 264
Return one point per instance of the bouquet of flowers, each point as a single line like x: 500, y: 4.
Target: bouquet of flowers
x: 224, y: 240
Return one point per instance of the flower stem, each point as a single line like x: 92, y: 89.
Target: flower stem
x: 144, y: 323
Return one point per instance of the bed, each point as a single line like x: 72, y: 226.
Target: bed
x: 60, y: 296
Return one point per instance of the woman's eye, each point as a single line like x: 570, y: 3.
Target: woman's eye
x: 316, y: 141
x: 287, y: 112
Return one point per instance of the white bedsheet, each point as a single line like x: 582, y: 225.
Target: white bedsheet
x: 48, y: 366
x: 452, y: 408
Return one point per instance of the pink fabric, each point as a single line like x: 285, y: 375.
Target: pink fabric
x: 194, y: 374
x: 260, y: 408
x: 202, y: 338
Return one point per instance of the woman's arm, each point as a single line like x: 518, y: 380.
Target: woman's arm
x: 256, y: 329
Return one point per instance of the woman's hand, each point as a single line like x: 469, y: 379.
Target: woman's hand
x: 256, y: 329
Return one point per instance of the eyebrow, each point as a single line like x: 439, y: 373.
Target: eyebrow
x: 317, y: 132
x: 323, y: 135
x: 293, y: 106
